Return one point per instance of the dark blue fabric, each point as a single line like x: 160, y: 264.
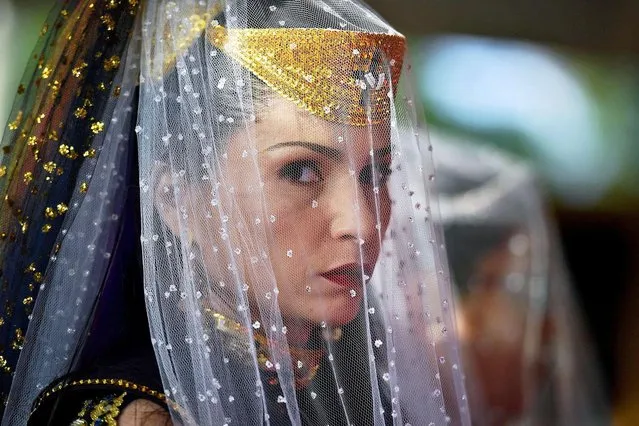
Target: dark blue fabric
x: 19, y: 250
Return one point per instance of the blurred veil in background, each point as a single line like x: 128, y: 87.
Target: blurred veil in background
x: 527, y: 355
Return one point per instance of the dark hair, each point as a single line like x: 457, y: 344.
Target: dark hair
x: 469, y: 244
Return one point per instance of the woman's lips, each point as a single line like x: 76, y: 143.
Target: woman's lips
x: 351, y: 275
x: 345, y: 280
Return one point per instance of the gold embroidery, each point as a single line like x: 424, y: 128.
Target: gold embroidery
x: 67, y: 151
x: 16, y: 123
x: 112, y: 63
x: 342, y: 76
x: 306, y: 361
x: 97, y: 127
x: 101, y: 412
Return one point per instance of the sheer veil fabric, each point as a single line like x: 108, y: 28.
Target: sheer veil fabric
x: 517, y: 308
x: 293, y: 265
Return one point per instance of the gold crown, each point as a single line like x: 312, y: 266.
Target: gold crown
x: 342, y: 76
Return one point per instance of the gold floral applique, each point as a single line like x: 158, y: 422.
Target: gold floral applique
x: 101, y: 412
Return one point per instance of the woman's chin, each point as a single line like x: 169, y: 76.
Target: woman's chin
x: 334, y: 311
x: 341, y: 311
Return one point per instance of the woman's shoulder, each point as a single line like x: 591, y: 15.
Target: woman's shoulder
x: 121, y: 391
x: 79, y: 401
x: 100, y: 405
x: 144, y: 412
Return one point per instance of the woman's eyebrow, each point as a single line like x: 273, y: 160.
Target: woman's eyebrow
x: 329, y: 152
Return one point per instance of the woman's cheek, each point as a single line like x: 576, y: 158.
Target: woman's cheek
x: 384, y: 210
x: 292, y: 232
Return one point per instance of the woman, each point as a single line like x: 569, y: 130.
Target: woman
x: 280, y: 282
x: 517, y: 310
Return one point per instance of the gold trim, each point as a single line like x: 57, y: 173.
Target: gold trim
x: 118, y: 383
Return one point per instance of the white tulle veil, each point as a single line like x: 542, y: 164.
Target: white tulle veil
x: 293, y: 266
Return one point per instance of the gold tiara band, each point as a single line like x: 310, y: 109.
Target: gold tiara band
x: 346, y: 77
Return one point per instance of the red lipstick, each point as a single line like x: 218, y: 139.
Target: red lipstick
x: 350, y: 275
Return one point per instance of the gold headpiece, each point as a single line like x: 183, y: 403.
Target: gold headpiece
x: 342, y: 76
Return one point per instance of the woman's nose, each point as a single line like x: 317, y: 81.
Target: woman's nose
x: 351, y: 214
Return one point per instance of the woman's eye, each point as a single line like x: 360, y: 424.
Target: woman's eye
x: 382, y: 172
x: 304, y: 172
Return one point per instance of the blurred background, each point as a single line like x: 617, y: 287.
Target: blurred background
x: 555, y: 82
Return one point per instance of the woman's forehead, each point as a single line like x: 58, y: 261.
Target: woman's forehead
x: 283, y: 119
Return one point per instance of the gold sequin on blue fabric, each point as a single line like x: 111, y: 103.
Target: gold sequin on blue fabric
x: 57, y: 116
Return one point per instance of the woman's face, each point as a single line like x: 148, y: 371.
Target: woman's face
x: 328, y: 207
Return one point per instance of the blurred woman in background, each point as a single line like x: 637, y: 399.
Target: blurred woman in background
x: 528, y: 358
